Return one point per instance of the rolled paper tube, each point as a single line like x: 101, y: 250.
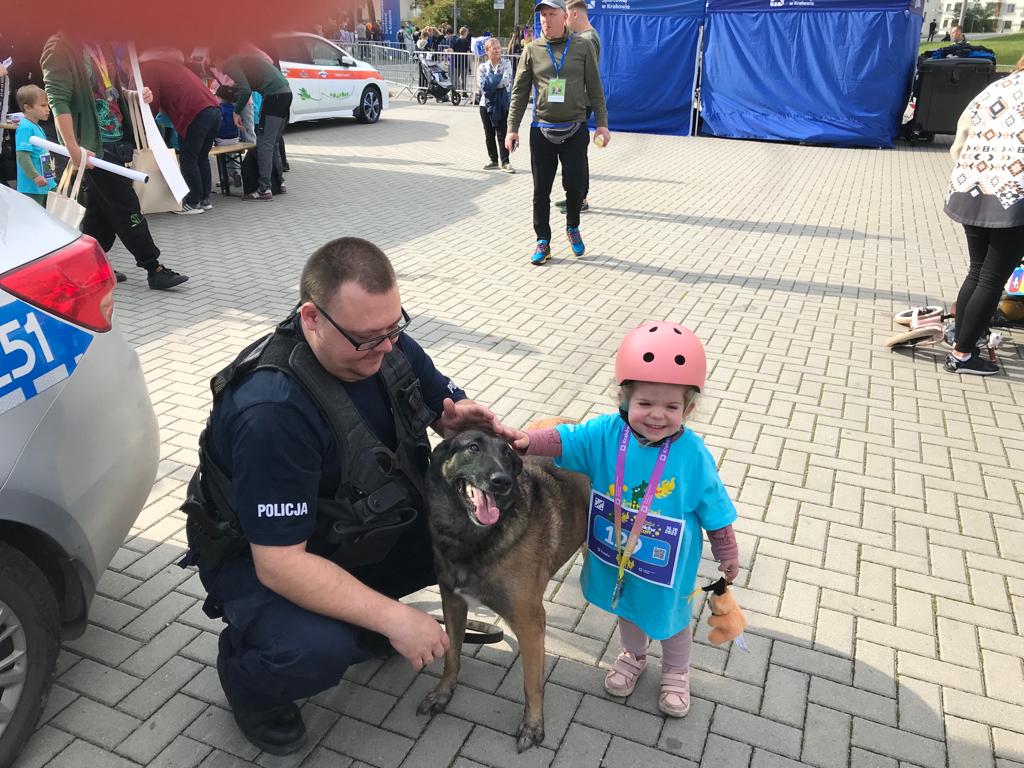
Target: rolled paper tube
x: 94, y: 162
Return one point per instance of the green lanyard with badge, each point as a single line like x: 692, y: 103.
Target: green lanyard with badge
x: 556, y: 85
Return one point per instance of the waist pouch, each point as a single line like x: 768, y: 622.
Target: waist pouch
x: 117, y: 152
x: 559, y: 135
x: 357, y: 544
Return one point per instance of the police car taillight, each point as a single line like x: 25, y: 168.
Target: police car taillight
x: 75, y: 283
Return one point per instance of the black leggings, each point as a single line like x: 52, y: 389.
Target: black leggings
x: 544, y: 158
x: 994, y: 253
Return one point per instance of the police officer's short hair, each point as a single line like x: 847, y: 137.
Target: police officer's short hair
x: 347, y: 259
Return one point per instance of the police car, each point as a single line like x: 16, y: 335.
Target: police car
x: 78, y: 447
x: 328, y: 82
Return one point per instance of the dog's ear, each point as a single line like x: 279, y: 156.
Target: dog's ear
x: 517, y: 462
x: 441, y: 453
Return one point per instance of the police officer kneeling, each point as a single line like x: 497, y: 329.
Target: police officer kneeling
x: 306, y: 515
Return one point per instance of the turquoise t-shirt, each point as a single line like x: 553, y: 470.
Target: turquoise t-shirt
x: 41, y: 159
x: 690, y: 499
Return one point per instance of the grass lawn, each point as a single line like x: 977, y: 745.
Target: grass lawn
x: 1008, y: 48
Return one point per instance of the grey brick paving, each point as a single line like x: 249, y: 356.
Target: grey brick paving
x: 881, y: 520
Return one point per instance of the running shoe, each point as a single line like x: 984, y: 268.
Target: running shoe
x: 542, y: 254
x: 576, y: 240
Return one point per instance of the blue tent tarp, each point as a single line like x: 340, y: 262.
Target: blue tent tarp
x: 648, y: 62
x: 821, y: 71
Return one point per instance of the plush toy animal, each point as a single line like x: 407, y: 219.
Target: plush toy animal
x: 727, y: 620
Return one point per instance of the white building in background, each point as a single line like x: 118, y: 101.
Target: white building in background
x: 1008, y: 16
x: 933, y: 9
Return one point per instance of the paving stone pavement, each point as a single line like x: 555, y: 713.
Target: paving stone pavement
x: 881, y: 525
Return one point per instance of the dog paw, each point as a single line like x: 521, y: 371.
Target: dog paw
x: 529, y: 735
x: 434, y: 702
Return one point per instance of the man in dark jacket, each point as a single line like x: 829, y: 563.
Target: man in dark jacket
x: 89, y: 108
x: 306, y: 516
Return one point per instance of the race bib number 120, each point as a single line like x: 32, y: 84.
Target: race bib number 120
x: 657, y: 549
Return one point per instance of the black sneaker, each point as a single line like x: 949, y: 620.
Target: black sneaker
x: 491, y: 165
x: 975, y: 364
x: 278, y: 730
x: 163, y: 279
x: 120, y: 276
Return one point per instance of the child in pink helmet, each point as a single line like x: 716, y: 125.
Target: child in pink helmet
x: 644, y: 462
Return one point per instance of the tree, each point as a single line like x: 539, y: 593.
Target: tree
x: 478, y: 15
x: 978, y: 18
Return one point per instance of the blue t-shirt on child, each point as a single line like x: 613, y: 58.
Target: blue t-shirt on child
x: 42, y: 161
x: 690, y: 499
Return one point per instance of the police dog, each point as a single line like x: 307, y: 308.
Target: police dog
x: 501, y: 526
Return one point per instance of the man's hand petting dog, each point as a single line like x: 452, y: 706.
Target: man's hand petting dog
x: 417, y: 636
x: 467, y: 414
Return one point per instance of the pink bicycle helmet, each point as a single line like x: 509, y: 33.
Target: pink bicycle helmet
x: 662, y: 353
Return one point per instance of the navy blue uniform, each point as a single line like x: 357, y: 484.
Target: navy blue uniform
x: 268, y: 434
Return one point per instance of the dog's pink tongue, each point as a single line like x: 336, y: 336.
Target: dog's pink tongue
x: 486, y: 508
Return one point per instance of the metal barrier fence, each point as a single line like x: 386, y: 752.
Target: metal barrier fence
x: 426, y: 75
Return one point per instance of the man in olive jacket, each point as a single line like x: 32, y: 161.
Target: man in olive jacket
x: 91, y: 114
x: 562, y: 67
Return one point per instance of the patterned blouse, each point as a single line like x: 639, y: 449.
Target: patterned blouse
x: 986, y: 188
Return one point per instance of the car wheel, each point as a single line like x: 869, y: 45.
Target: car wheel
x: 456, y: 99
x: 421, y: 97
x: 29, y: 641
x: 370, y: 106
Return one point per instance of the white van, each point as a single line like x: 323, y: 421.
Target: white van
x: 328, y: 82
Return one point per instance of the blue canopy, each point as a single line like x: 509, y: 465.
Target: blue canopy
x: 649, y: 62
x: 821, y: 71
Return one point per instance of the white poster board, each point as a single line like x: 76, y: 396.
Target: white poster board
x: 164, y: 159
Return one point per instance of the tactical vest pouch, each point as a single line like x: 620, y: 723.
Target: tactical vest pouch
x: 357, y: 544
x: 212, y: 541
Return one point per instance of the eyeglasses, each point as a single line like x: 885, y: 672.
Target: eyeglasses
x: 376, y: 341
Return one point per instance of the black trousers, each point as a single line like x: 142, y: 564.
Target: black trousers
x: 994, y: 254
x: 492, y: 132
x: 273, y: 651
x: 544, y: 160
x: 112, y: 210
x: 195, y: 154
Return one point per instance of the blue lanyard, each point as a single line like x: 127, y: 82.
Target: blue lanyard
x: 558, y: 65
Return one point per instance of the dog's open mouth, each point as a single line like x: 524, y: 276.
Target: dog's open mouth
x: 483, y: 504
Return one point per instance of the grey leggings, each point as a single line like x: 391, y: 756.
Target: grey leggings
x: 675, y: 650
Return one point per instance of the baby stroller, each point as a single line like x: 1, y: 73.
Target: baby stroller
x: 434, y: 81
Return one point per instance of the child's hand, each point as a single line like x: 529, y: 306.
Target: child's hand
x: 40, y: 181
x: 522, y: 442
x: 731, y: 569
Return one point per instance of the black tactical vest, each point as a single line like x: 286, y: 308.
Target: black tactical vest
x: 380, y: 492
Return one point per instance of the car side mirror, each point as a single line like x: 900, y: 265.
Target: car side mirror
x: 348, y: 61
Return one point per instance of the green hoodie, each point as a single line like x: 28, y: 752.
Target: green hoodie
x: 582, y: 83
x: 69, y: 91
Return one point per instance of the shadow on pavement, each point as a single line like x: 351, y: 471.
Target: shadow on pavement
x: 788, y: 695
x: 742, y: 225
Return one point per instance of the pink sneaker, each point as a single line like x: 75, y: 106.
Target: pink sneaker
x: 675, y: 691
x: 625, y: 671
